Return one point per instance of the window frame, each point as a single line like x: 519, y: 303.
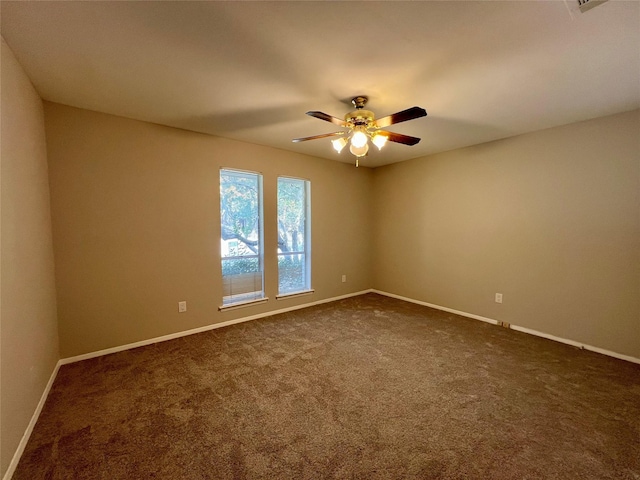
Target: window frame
x: 307, y: 289
x: 230, y: 304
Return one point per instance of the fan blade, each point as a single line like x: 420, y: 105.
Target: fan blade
x: 403, y: 116
x: 324, y: 135
x: 399, y: 138
x: 327, y: 118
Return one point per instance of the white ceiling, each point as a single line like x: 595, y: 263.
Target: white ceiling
x: 483, y: 70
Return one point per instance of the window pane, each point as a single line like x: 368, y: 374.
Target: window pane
x: 240, y: 211
x: 293, y: 235
x: 237, y: 266
x: 291, y: 214
x: 291, y: 273
x: 241, y: 235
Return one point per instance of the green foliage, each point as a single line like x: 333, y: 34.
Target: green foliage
x: 240, y: 220
x: 240, y: 207
x: 291, y: 214
x: 292, y: 218
x: 237, y: 266
x: 291, y: 273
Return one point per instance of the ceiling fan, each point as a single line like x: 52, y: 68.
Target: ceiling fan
x: 362, y: 126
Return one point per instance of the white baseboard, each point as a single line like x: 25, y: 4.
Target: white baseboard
x: 437, y: 307
x: 32, y: 423
x: 206, y: 328
x: 609, y: 353
x: 530, y: 331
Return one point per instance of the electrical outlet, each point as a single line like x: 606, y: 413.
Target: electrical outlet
x: 498, y: 298
x: 344, y: 278
x: 182, y: 307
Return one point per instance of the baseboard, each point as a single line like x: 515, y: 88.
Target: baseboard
x: 32, y: 423
x: 437, y: 307
x: 591, y: 348
x: 206, y: 328
x: 530, y: 331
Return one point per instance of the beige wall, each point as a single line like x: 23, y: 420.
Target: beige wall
x: 29, y: 342
x: 549, y: 219
x: 136, y: 227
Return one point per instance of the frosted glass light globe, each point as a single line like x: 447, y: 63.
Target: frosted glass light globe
x: 358, y: 139
x: 379, y: 141
x: 359, y: 151
x: 339, y: 144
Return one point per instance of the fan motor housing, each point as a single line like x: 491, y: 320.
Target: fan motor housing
x: 360, y: 118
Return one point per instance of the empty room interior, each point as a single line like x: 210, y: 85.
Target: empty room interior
x: 369, y: 240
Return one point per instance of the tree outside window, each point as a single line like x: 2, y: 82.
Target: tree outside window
x: 294, y: 266
x: 241, y: 236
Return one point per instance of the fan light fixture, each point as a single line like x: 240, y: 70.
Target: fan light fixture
x: 359, y: 143
x: 359, y: 151
x: 358, y: 139
x: 339, y: 144
x: 379, y: 141
x: 362, y: 126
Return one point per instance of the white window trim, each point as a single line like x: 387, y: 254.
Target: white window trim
x: 307, y: 239
x: 301, y: 293
x: 247, y: 303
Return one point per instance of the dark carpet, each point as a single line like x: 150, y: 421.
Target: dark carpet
x: 365, y: 388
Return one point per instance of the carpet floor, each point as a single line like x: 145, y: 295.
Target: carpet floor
x: 368, y: 387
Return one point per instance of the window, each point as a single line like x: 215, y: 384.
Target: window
x: 241, y: 236
x: 294, y: 235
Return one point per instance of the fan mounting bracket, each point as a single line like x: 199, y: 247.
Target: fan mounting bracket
x: 360, y: 101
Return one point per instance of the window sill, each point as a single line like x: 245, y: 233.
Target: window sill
x: 294, y: 294
x: 248, y: 303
